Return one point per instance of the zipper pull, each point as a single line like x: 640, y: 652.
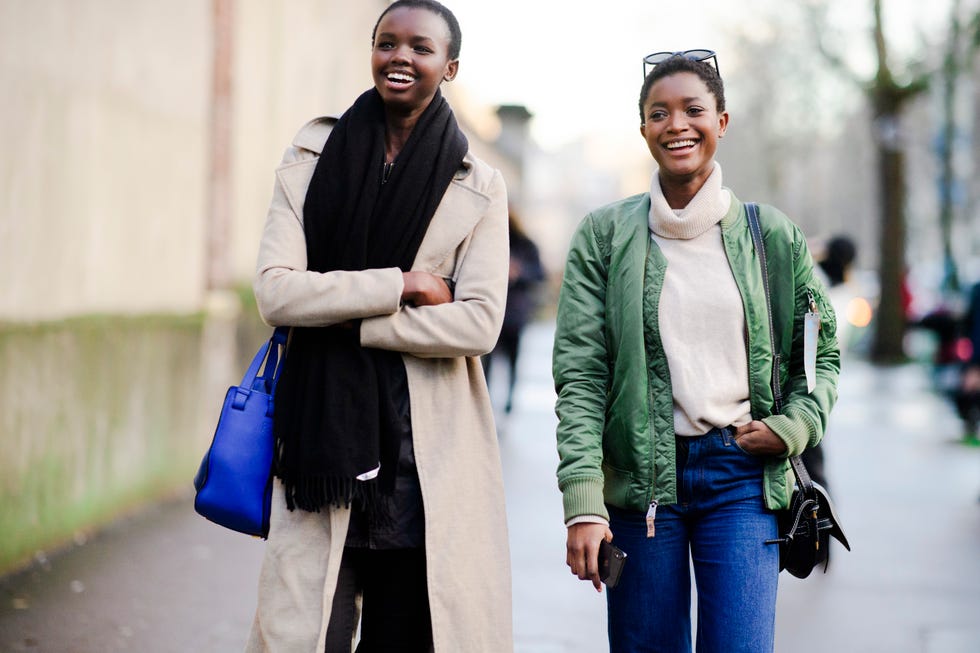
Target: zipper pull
x: 811, y: 327
x: 814, y: 311
x: 651, y: 516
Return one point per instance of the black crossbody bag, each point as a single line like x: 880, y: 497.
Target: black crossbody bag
x: 806, y: 526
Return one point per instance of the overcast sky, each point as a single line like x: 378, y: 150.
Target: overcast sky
x: 577, y: 65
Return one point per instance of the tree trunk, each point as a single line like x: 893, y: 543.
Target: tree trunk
x: 887, y: 345
x: 888, y: 98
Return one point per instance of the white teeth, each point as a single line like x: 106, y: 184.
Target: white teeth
x: 679, y: 144
x: 400, y: 77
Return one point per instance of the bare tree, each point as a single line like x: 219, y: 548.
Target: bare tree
x: 888, y: 98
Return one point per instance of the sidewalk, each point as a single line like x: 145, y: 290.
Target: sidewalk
x: 167, y: 581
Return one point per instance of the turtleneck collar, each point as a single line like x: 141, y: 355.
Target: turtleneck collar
x: 705, y: 209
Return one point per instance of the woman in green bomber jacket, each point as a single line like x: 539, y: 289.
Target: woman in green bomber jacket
x: 667, y: 439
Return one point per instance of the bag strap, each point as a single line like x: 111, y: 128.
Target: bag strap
x: 268, y: 353
x: 278, y: 340
x: 760, y: 247
x: 752, y: 210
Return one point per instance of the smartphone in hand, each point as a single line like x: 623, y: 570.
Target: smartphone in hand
x: 611, y: 561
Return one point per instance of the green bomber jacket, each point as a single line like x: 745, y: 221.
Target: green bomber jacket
x: 615, y: 408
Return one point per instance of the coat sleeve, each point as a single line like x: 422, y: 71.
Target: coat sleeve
x: 468, y: 325
x: 804, y: 418
x: 581, y: 372
x: 287, y: 293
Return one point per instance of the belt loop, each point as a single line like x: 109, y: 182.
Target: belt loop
x: 727, y: 435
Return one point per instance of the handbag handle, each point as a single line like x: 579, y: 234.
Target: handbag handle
x: 274, y: 364
x: 799, y: 469
x: 266, y: 383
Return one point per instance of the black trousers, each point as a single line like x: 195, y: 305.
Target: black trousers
x: 508, y: 346
x: 395, y: 602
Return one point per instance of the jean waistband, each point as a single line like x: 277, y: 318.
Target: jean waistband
x: 682, y: 443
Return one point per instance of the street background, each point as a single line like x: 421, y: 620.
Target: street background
x: 167, y: 581
x: 140, y: 142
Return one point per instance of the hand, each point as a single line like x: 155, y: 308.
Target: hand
x: 758, y: 439
x: 425, y: 289
x: 582, y: 549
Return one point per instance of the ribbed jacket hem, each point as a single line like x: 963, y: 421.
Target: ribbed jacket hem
x: 583, y: 496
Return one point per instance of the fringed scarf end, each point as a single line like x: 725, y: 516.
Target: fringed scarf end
x: 312, y: 494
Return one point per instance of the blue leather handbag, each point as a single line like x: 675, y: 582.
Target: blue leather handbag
x: 234, y: 482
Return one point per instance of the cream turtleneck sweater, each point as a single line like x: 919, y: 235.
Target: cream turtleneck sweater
x: 702, y: 320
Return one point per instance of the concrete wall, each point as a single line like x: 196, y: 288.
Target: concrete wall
x: 115, y: 355
x: 99, y: 414
x: 102, y: 167
x: 104, y: 164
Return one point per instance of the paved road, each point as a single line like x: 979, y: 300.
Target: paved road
x: 166, y: 581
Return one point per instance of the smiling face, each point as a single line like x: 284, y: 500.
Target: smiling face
x: 410, y: 58
x: 682, y: 126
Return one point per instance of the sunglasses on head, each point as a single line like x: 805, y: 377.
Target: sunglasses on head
x: 656, y: 58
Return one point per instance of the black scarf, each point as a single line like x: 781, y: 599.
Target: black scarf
x: 334, y: 405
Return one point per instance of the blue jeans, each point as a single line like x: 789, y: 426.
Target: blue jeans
x: 721, y: 519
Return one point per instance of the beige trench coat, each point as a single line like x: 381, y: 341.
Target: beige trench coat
x: 467, y: 556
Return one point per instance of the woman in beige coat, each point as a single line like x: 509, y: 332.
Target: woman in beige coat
x: 386, y: 249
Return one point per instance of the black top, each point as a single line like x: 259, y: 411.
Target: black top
x: 403, y: 525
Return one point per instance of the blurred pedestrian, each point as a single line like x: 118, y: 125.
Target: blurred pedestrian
x: 385, y: 250
x: 667, y: 439
x: 945, y: 322
x: 838, y: 260
x: 968, y: 393
x: 526, y: 275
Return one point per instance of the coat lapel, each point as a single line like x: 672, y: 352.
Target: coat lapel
x: 461, y: 208
x: 295, y: 179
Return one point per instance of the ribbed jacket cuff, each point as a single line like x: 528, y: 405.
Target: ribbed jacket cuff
x: 583, y: 496
x: 792, y: 431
